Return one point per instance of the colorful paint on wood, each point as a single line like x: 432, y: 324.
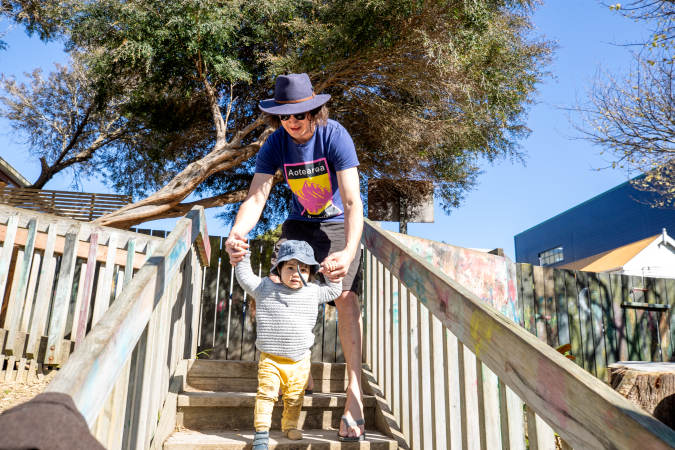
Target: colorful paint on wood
x: 551, y: 319
x: 490, y: 277
x: 46, y: 279
x: 87, y: 289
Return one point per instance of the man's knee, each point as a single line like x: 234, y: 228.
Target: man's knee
x: 347, y: 301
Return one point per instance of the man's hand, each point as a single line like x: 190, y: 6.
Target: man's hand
x: 236, y: 247
x: 336, y: 266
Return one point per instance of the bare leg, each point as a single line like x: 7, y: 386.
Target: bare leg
x: 350, y: 329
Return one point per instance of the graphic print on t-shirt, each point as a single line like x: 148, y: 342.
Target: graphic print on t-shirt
x: 310, y: 182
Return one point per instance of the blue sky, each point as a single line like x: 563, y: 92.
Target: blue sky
x: 510, y: 197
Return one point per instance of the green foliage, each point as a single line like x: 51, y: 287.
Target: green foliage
x: 271, y: 235
x: 204, y: 352
x: 427, y: 89
x: 165, y: 41
x: 42, y: 17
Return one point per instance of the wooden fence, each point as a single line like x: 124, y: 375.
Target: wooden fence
x: 228, y: 325
x: 125, y: 376
x: 606, y: 318
x: 57, y: 278
x: 74, y: 205
x: 456, y: 372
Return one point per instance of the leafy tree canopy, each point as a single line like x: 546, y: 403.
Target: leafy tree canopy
x: 427, y: 89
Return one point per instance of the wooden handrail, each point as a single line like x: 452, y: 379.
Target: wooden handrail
x: 579, y: 407
x: 92, y: 370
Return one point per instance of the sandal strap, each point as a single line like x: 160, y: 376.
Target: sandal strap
x: 353, y: 423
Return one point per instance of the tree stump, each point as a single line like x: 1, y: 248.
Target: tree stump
x: 649, y: 385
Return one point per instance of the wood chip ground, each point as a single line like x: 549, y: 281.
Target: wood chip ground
x: 13, y: 394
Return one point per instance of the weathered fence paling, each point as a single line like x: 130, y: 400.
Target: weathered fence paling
x: 42, y: 288
x: 471, y: 394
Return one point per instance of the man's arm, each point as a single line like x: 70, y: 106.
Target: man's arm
x: 348, y: 182
x: 248, y: 215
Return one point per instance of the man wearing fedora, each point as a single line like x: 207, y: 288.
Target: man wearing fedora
x: 318, y: 159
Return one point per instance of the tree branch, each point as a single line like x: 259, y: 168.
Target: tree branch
x: 182, y: 185
x: 217, y: 201
x: 47, y: 172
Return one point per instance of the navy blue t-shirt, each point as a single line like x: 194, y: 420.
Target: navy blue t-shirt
x: 310, y: 169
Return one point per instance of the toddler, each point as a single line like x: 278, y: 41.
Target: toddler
x: 285, y: 315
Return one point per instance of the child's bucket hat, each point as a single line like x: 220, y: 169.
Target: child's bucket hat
x: 293, y: 94
x: 299, y: 250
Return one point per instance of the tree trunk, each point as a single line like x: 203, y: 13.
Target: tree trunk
x: 650, y: 386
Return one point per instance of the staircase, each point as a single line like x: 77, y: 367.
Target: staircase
x: 215, y: 410
x: 451, y: 369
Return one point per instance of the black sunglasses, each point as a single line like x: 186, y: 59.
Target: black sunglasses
x: 300, y: 116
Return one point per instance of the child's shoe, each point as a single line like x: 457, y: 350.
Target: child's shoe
x: 293, y: 434
x: 261, y: 440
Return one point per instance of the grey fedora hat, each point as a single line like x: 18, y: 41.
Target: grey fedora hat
x: 293, y: 94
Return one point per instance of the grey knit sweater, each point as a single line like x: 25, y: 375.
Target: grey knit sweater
x: 284, y: 316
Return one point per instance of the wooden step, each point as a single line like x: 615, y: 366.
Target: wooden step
x: 212, y: 410
x: 242, y: 376
x: 247, y: 399
x: 240, y: 440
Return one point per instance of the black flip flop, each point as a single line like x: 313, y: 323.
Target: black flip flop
x: 352, y: 423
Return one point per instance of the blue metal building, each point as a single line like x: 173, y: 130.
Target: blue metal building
x: 614, y: 218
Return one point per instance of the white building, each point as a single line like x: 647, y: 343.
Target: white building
x: 651, y: 257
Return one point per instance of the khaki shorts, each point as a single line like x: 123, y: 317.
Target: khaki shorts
x: 325, y: 238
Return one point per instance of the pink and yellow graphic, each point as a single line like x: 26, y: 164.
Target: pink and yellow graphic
x: 310, y: 182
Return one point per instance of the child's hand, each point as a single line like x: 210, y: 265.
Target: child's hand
x: 330, y: 266
x: 236, y: 247
x: 335, y: 267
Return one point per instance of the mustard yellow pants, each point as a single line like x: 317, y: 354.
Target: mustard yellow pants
x: 275, y: 372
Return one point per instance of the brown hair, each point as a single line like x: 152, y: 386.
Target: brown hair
x: 318, y: 116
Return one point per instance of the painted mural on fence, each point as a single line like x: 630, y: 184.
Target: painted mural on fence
x: 490, y: 277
